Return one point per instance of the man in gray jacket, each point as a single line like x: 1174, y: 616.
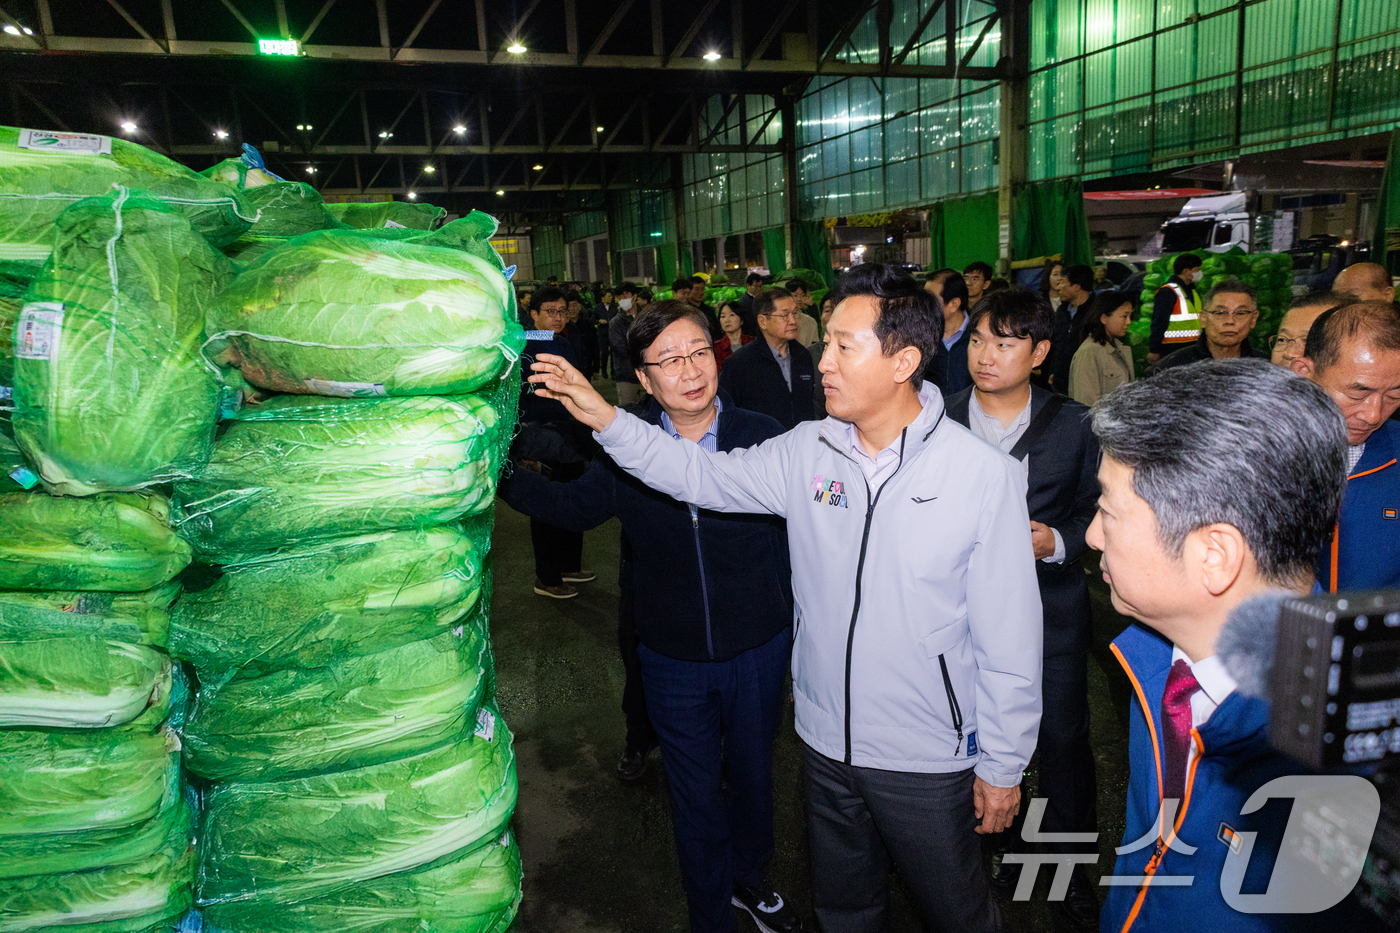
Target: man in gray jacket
x: 917, y: 657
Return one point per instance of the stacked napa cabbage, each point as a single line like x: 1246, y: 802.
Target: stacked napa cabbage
x: 95, y: 828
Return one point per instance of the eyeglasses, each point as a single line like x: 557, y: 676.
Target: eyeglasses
x: 672, y: 365
x: 1231, y: 316
x: 1279, y: 340
x: 790, y: 316
x: 552, y: 312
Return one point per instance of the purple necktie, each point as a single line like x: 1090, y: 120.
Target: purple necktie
x: 1176, y: 728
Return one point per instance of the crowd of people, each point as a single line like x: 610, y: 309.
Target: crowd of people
x: 890, y: 496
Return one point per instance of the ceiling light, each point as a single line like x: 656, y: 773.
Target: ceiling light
x: 459, y: 129
x: 515, y: 48
x: 311, y: 170
x: 430, y: 169
x: 413, y: 196
x: 128, y: 126
x: 12, y: 29
x: 385, y: 134
x: 712, y: 56
x: 500, y: 193
x: 600, y: 129
x: 221, y: 134
x: 539, y: 168
x: 301, y: 126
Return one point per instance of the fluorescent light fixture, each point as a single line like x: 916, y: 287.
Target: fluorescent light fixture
x: 12, y: 29
x: 459, y: 129
x: 538, y: 168
x: 515, y: 48
x: 711, y: 56
x: 500, y: 193
x: 221, y: 134
x: 128, y: 126
x: 413, y: 195
x: 430, y: 169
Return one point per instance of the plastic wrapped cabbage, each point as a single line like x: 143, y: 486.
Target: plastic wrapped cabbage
x: 301, y: 469
x: 43, y: 172
x: 140, y: 618
x: 246, y: 171
x: 14, y: 282
x: 115, y: 898
x: 476, y: 893
x: 286, y: 841
x: 333, y: 313
x: 80, y: 683
x: 98, y: 780
x: 350, y: 712
x: 55, y: 853
x: 391, y: 214
x: 112, y: 542
x: 309, y: 605
x: 110, y: 389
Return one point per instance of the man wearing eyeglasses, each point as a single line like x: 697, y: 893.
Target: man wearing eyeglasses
x: 712, y: 625
x: 774, y: 375
x: 1231, y: 313
x: 1287, y: 345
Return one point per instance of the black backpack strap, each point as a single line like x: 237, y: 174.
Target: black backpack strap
x: 1038, y: 426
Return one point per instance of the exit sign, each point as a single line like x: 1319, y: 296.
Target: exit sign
x: 279, y: 47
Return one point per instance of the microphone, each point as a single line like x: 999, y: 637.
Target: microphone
x: 1246, y: 643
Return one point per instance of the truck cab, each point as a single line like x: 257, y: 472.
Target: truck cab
x: 1214, y: 224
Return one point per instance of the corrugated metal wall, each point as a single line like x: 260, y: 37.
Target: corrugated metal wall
x: 1123, y: 86
x: 735, y: 192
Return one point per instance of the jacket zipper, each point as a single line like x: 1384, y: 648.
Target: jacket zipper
x: 1159, y: 851
x: 953, y: 706
x: 860, y: 568
x: 704, y: 590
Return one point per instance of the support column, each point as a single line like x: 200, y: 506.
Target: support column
x: 1012, y: 146
x: 678, y: 194
x: 789, y: 143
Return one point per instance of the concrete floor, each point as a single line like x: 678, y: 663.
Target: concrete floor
x: 599, y: 856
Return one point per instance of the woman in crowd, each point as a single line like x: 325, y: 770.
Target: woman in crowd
x: 1051, y: 278
x: 732, y: 323
x: 1104, y: 361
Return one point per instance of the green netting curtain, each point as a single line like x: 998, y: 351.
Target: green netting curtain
x: 1385, y: 240
x: 1050, y: 219
x: 970, y: 230
x: 810, y: 249
x: 775, y: 248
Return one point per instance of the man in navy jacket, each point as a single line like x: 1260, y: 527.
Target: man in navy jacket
x: 775, y: 374
x: 1353, y: 353
x: 713, y: 609
x: 1202, y: 508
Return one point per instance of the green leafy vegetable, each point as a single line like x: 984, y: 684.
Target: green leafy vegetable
x: 391, y: 214
x: 119, y: 898
x: 348, y: 596
x: 111, y: 542
x: 333, y: 313
x: 39, y: 177
x: 110, y: 390
x: 79, y: 683
x: 351, y: 712
x: 135, y: 618
x: 476, y: 893
x: 290, y: 840
x: 299, y: 469
x: 73, y: 782
x: 53, y: 853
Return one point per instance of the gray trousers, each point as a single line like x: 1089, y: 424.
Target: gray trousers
x: 860, y: 820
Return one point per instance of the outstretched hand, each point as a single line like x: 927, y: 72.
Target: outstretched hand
x: 554, y: 378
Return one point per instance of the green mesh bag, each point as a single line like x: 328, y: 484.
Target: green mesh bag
x: 14, y: 282
x: 80, y: 682
x: 391, y: 214
x: 56, y: 853
x: 287, y: 209
x: 348, y: 713
x: 287, y: 841
x: 245, y: 171
x: 299, y: 469
x: 42, y: 173
x: 476, y: 893
x: 110, y: 389
x: 114, y: 542
x: 141, y: 618
x: 348, y: 596
x: 336, y: 313
x: 146, y: 894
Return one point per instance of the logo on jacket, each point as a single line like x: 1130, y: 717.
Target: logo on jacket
x: 1389, y: 515
x: 829, y: 492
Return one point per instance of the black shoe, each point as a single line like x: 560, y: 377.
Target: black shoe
x: 767, y: 909
x: 1004, y: 874
x: 1081, y: 905
x: 634, y: 764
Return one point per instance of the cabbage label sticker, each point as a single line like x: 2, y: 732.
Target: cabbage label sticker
x: 69, y: 143
x: 395, y: 223
x: 345, y: 389
x: 36, y: 334
x: 485, y: 724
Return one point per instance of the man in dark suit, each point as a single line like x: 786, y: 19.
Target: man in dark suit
x: 774, y: 375
x: 1071, y: 324
x: 1010, y: 335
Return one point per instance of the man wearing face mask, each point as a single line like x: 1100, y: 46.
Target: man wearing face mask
x: 1353, y: 353
x: 1176, y: 309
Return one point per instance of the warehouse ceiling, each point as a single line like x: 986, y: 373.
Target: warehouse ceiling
x: 388, y: 96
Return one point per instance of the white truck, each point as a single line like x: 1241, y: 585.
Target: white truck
x: 1214, y: 224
